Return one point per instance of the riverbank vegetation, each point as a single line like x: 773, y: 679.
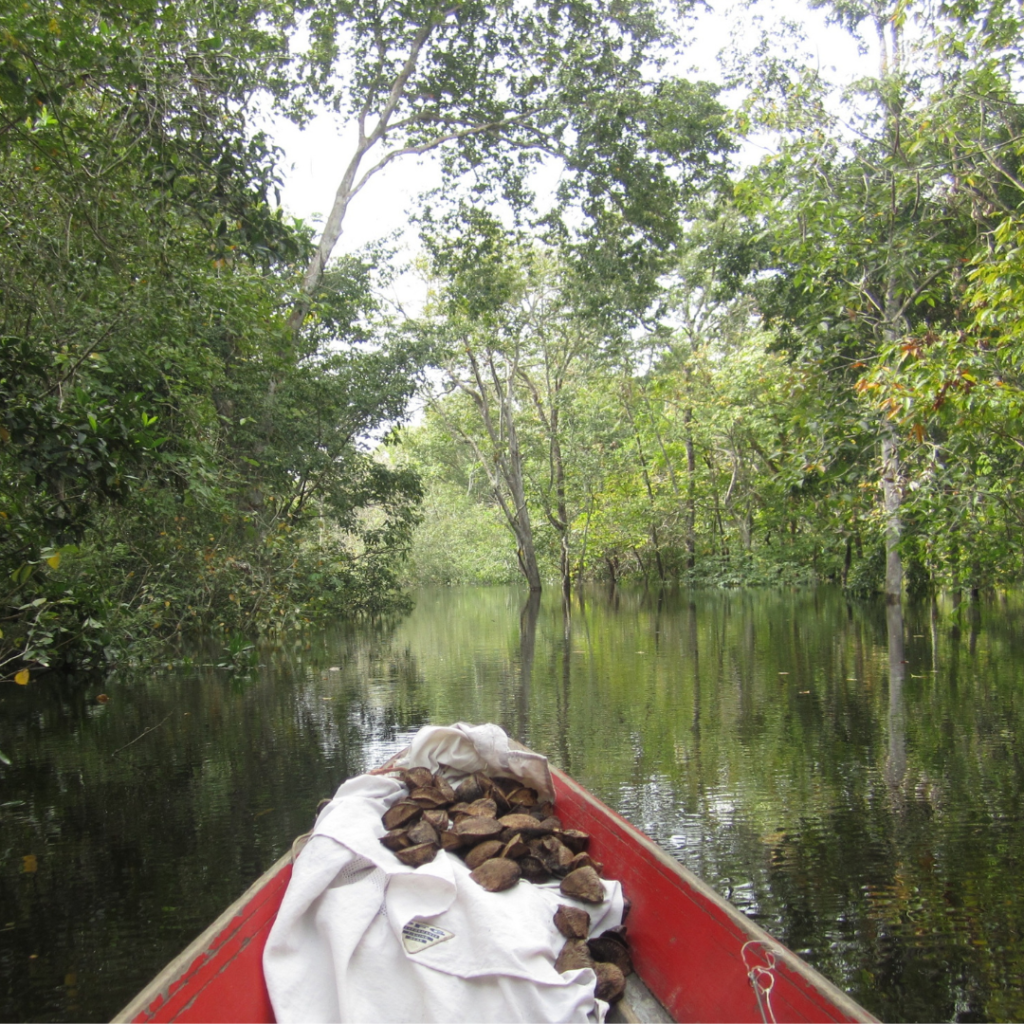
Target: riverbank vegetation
x: 827, y: 383
x: 681, y: 367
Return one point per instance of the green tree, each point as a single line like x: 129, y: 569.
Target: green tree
x: 496, y: 89
x: 955, y: 385
x: 158, y: 422
x: 870, y: 236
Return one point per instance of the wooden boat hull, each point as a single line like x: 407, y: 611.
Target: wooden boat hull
x: 692, y: 948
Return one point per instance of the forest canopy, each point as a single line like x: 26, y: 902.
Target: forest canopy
x: 684, y: 368
x: 825, y: 383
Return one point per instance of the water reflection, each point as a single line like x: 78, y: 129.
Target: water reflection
x: 896, y: 763
x: 851, y: 778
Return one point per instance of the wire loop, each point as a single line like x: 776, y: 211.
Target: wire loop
x: 762, y: 977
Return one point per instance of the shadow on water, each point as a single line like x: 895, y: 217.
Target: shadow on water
x: 850, y: 776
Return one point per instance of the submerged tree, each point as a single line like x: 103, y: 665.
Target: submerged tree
x: 871, y: 224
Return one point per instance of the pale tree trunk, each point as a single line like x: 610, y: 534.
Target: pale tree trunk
x: 501, y: 459
x: 519, y: 515
x: 892, y: 471
x: 511, y: 468
x: 892, y: 498
x: 557, y: 512
x: 691, y: 490
x: 559, y: 519
x: 642, y: 461
x: 351, y: 183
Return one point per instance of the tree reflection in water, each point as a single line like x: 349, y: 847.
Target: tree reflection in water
x: 850, y: 775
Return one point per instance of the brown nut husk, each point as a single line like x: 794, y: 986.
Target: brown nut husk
x: 485, y: 807
x: 514, y: 847
x: 574, y: 955
x: 611, y: 982
x: 474, y: 787
x: 506, y: 783
x: 572, y: 922
x: 468, y: 790
x: 396, y: 839
x: 444, y: 787
x: 438, y: 818
x: 424, y: 832
x: 415, y: 778
x: 553, y: 854
x: 523, y: 797
x: 618, y: 933
x: 533, y: 869
x: 576, y: 841
x: 428, y: 797
x: 582, y: 860
x: 401, y: 814
x: 476, y: 830
x: 481, y: 852
x: 552, y: 823
x: 606, y: 949
x: 450, y: 840
x: 583, y: 884
x: 417, y: 856
x: 525, y: 824
x: 496, y: 874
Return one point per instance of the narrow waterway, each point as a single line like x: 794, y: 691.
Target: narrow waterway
x: 864, y: 807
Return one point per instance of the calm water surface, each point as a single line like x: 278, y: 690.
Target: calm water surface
x: 873, y: 823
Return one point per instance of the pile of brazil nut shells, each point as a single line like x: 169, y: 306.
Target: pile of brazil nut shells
x: 504, y: 831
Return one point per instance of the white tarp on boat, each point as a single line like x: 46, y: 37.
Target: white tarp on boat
x: 362, y: 937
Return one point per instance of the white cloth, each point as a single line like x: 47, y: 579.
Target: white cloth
x: 336, y: 951
x: 473, y: 748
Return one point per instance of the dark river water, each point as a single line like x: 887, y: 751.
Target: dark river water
x: 865, y: 808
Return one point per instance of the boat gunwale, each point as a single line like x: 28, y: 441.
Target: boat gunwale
x: 207, y: 944
x: 202, y: 944
x: 843, y: 1002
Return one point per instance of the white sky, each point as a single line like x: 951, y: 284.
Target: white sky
x: 315, y: 157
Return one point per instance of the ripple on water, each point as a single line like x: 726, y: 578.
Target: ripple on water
x: 757, y: 739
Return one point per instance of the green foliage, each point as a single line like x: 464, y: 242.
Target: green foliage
x: 698, y: 456
x: 895, y: 272
x: 189, y: 460
x: 668, y: 375
x: 460, y: 542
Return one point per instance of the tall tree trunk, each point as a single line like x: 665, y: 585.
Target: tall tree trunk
x: 892, y: 486
x: 690, y: 523
x: 582, y: 564
x: 351, y: 183
x: 519, y: 519
x: 560, y: 519
x: 892, y: 497
x: 655, y: 543
x: 890, y: 56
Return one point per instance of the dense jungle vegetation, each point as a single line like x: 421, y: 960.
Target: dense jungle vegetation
x: 684, y: 366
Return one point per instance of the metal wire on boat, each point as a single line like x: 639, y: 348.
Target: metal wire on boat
x: 762, y: 978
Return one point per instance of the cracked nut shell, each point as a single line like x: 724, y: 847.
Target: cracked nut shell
x: 572, y: 922
x: 583, y: 884
x: 496, y: 874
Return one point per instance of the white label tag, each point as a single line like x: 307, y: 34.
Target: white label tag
x: 419, y: 935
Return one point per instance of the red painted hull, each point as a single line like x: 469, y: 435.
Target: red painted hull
x: 687, y: 942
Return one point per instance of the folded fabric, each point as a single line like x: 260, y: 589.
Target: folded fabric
x: 361, y: 937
